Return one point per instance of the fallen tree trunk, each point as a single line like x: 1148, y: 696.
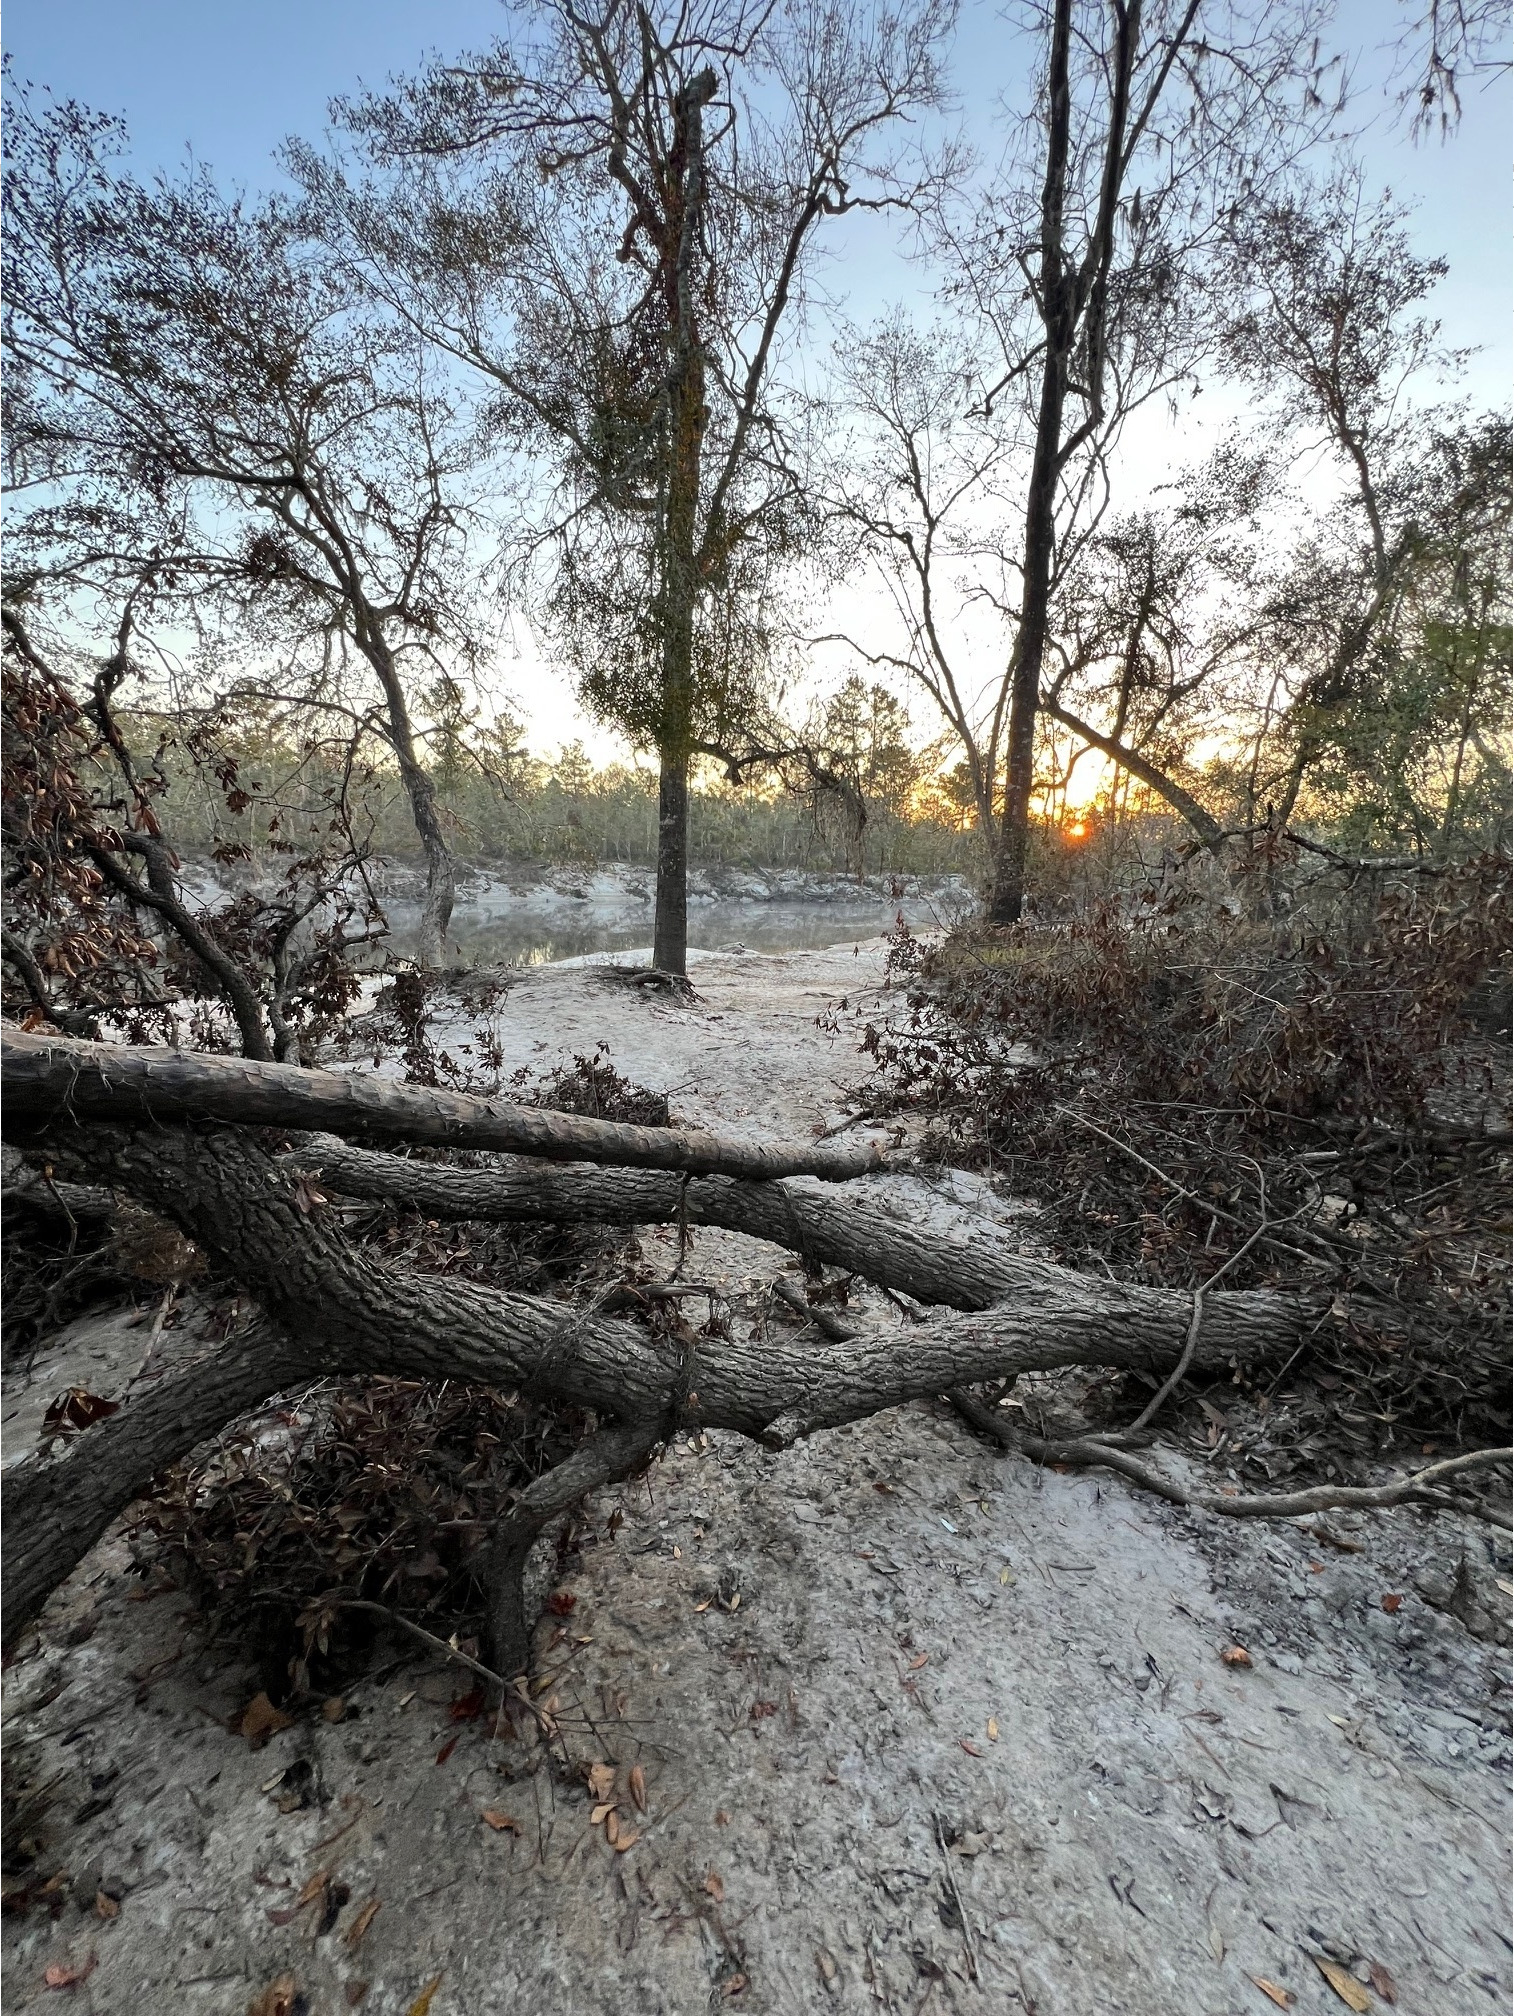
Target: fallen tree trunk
x: 59, y: 1078
x: 866, y: 1228
x: 352, y: 1313
x: 55, y: 1508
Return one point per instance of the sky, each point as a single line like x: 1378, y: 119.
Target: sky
x: 227, y: 81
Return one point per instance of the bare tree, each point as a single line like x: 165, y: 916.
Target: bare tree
x: 614, y: 224
x: 1151, y: 125
x: 102, y: 930
x: 217, y: 425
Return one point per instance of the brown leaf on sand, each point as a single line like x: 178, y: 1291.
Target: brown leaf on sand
x: 638, y: 1785
x: 627, y: 1840
x: 971, y: 1748
x: 421, y: 2006
x: 1382, y: 1980
x: 601, y: 1813
x: 1349, y: 1989
x: 363, y: 1920
x: 68, y: 1974
x: 502, y: 1823
x: 260, y: 1720
x: 715, y: 1887
x: 1273, y: 1993
x: 1236, y: 1655
x: 601, y: 1781
x: 315, y: 1886
x: 277, y: 1999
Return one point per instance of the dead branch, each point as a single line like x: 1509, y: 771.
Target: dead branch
x: 53, y: 1077
x: 354, y: 1314
x: 615, y: 1452
x: 862, y: 1227
x: 54, y: 1508
x: 1420, y: 1487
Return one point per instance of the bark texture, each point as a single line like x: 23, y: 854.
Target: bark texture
x: 56, y: 1507
x: 862, y: 1227
x: 55, y: 1078
x: 353, y: 1314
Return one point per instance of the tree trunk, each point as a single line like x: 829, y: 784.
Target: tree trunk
x: 49, y: 1078
x: 678, y: 588
x: 865, y: 1228
x: 353, y: 1314
x: 441, y: 883
x: 1007, y: 897
x: 670, y: 932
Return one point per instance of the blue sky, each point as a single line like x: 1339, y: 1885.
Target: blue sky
x: 229, y: 79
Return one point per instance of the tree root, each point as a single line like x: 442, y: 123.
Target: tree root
x: 1420, y: 1488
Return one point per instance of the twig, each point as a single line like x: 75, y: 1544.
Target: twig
x: 951, y: 1878
x: 1273, y: 1505
x: 1204, y: 1204
x: 419, y: 1631
x: 1175, y: 1378
x: 829, y: 1325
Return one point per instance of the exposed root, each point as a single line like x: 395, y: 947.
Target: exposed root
x: 1420, y: 1488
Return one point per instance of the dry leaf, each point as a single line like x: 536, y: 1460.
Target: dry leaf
x: 502, y: 1823
x: 601, y: 1781
x: 446, y: 1750
x: 715, y: 1887
x: 1349, y: 1989
x: 562, y: 1603
x: 677, y: 1553
x: 1216, y: 1943
x: 1382, y: 1981
x: 1393, y: 1603
x: 315, y: 1886
x: 1005, y: 1578
x: 699, y: 1608
x: 1273, y: 1993
x: 625, y: 1841
x: 422, y: 2004
x: 735, y: 1602
x: 733, y: 1984
x: 363, y: 1920
x: 993, y: 1730
x: 601, y: 1813
x: 277, y: 1999
x: 612, y: 1827
x: 106, y: 1907
x: 333, y: 1710
x: 64, y: 1974
x: 916, y: 1664
x: 1237, y: 1655
x: 260, y: 1720
x: 971, y: 1748
x: 638, y: 1785
x: 78, y: 1409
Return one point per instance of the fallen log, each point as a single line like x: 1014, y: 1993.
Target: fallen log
x: 355, y: 1314
x: 58, y: 1078
x: 868, y: 1228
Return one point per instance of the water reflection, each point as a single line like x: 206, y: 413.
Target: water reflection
x: 487, y: 936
